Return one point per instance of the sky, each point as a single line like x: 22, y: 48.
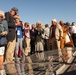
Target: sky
x: 42, y: 10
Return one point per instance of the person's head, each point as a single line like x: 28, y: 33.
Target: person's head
x: 73, y: 23
x: 38, y: 24
x: 54, y: 22
x: 46, y: 25
x: 2, y: 16
x: 26, y: 24
x: 61, y: 23
x: 33, y: 26
x: 17, y: 18
x: 21, y: 23
x: 14, y: 11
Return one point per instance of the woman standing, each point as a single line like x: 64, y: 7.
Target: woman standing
x: 39, y: 48
x: 32, y: 36
x: 3, y: 33
x: 62, y: 41
x: 27, y: 29
x: 19, y: 39
x: 19, y: 35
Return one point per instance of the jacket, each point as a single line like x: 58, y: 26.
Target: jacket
x: 58, y: 32
x: 11, y: 26
x: 3, y: 28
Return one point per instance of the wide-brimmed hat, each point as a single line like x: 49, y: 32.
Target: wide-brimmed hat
x: 54, y: 20
x: 2, y: 13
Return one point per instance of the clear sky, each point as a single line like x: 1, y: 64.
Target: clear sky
x: 44, y: 10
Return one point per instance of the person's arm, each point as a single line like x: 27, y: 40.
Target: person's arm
x: 27, y: 29
x: 60, y: 31
x: 5, y: 32
x: 50, y: 32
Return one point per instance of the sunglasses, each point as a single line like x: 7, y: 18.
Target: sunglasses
x: 1, y: 16
x: 39, y: 24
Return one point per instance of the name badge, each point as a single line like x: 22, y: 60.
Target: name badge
x: 18, y: 32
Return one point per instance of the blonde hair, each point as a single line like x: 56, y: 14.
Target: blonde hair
x: 17, y: 17
x: 2, y: 13
x: 38, y: 23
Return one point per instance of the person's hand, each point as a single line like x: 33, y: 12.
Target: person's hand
x: 3, y: 33
x: 18, y: 24
x: 61, y: 37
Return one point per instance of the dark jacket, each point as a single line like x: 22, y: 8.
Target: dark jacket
x: 33, y: 34
x: 11, y: 26
x: 38, y: 35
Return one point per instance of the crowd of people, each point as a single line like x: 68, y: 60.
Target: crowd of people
x: 31, y: 39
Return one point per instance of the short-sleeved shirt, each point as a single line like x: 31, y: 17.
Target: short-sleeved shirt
x: 19, y: 32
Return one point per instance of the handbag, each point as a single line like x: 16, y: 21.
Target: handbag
x: 3, y: 41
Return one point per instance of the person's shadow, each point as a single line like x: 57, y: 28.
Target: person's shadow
x: 70, y: 73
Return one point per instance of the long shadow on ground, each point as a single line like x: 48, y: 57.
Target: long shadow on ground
x: 70, y: 73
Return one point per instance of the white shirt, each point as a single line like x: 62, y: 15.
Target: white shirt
x: 46, y: 32
x: 73, y: 29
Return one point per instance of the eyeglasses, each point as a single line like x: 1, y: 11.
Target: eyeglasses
x: 1, y: 16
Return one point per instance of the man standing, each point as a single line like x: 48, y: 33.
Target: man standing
x: 56, y: 34
x: 73, y: 33
x: 46, y: 38
x: 11, y: 37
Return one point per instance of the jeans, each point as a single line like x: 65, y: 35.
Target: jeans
x: 18, y: 43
